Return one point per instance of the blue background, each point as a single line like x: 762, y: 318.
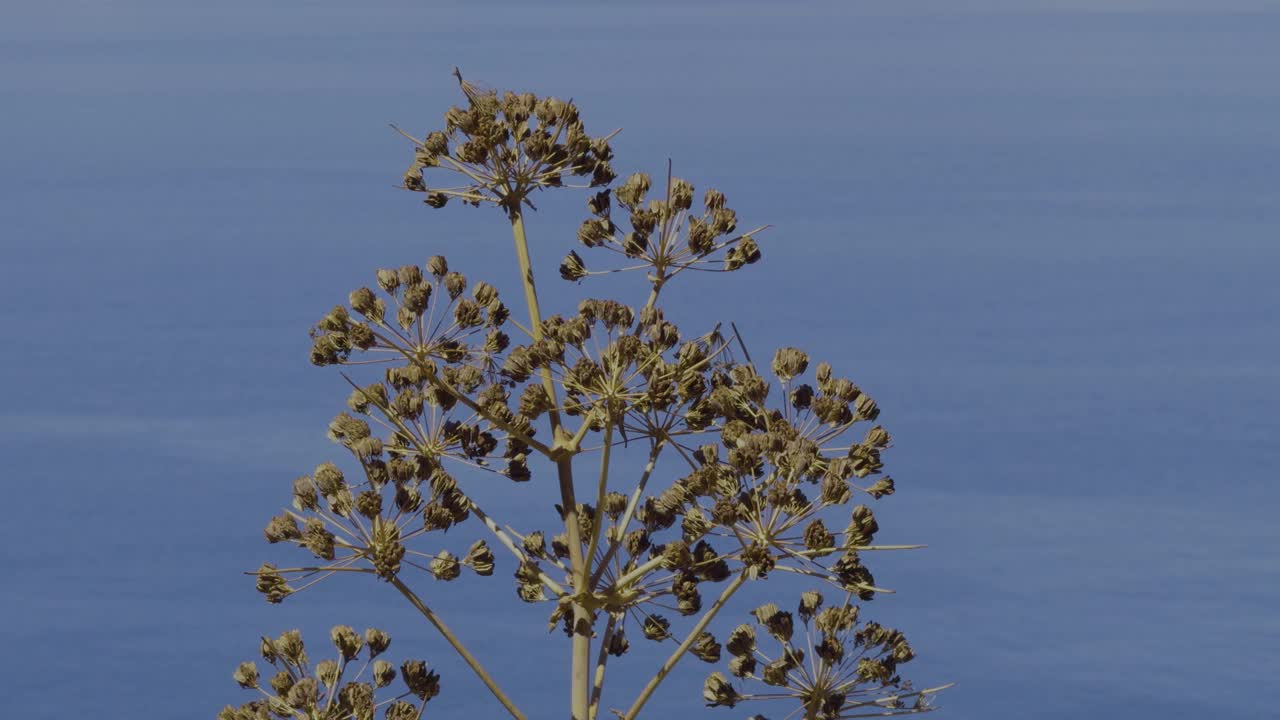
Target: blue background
x: 1043, y: 235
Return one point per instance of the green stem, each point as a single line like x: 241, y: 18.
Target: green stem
x: 461, y: 649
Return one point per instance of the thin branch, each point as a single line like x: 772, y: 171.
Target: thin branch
x: 466, y: 655
x: 689, y: 640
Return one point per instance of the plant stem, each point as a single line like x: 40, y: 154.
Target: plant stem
x: 602, y: 659
x: 679, y: 652
x: 461, y: 649
x: 580, y: 687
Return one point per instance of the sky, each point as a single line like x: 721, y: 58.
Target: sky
x: 1041, y: 234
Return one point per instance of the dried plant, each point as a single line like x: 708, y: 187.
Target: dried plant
x: 759, y: 474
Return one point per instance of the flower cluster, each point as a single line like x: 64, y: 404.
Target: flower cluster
x: 506, y: 147
x: 840, y: 668
x: 750, y: 494
x: 343, y: 688
x: 666, y: 236
x: 752, y: 475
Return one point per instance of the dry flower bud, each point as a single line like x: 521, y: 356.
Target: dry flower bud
x: 467, y: 314
x: 383, y: 673
x: 572, y: 268
x: 705, y: 648
x: 455, y: 284
x: 789, y: 362
x: 881, y: 487
x: 681, y: 193
x: 817, y: 537
x: 598, y: 204
x: 304, y: 494
x: 271, y: 584
x: 810, y: 601
x: 835, y: 490
x: 632, y: 191
x: 445, y: 566
x: 656, y: 627
x: 281, y: 682
x: 717, y: 691
x: 369, y: 504
x: 618, y: 644
x: 385, y: 549
x: 713, y: 200
x: 290, y: 647
x: 246, y: 675
x: 777, y: 622
x: 317, y: 538
x: 742, y: 641
x: 775, y: 673
x: 862, y: 526
x: 303, y: 694
x: 268, y: 650
x: 409, y: 275
x: 329, y: 479
x: 401, y: 710
x: 327, y: 673
x: 416, y: 297
x: 358, y: 697
x: 421, y: 682
x: 346, y: 641
x: 377, y: 640
x: 282, y: 527
x: 480, y: 558
x: 388, y: 280
x: 438, y: 266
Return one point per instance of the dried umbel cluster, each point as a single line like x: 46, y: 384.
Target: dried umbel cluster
x: 832, y: 664
x: 748, y: 473
x: 666, y: 236
x: 504, y: 147
x: 353, y: 685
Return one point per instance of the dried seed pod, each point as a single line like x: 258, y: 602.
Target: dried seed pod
x: 246, y: 675
x: 480, y: 558
x: 327, y: 673
x: 881, y: 487
x: 446, y: 566
x: 281, y: 682
x: 346, y: 641
x: 572, y: 268
x: 819, y: 539
x: 455, y: 284
x: 618, y: 644
x: 401, y: 710
x: 377, y: 641
x: 717, y: 691
x: 423, y: 683
x: 303, y: 695
x: 705, y: 648
x: 789, y: 362
x: 810, y: 601
x: 656, y: 627
x: 290, y: 647
x: 742, y: 665
x: 385, y: 549
x: 383, y: 673
x: 282, y: 527
x: 438, y: 266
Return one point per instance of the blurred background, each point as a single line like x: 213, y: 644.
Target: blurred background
x: 1041, y: 234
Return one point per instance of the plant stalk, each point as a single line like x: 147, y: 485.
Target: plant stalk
x: 580, y: 687
x: 461, y: 649
x: 679, y: 652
